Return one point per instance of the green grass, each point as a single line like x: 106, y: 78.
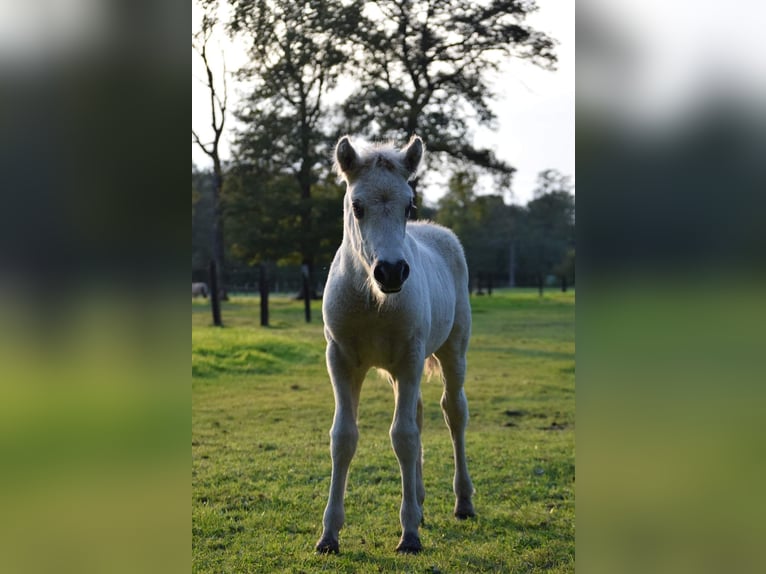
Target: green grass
x: 263, y: 406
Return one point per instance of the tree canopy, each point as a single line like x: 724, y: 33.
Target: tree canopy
x: 298, y: 50
x: 520, y: 244
x: 422, y: 67
x: 547, y: 239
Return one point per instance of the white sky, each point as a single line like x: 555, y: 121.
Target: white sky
x: 535, y: 108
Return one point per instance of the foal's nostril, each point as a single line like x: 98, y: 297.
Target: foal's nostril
x: 381, y: 273
x: 390, y: 276
x: 405, y: 271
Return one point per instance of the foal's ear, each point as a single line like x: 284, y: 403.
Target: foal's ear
x: 413, y: 153
x: 346, y: 158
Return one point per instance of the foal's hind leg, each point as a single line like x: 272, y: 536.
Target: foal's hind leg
x: 455, y: 408
x: 347, y: 384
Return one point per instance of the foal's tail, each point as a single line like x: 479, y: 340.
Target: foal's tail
x: 432, y: 367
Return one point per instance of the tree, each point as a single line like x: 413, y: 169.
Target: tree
x: 531, y: 242
x: 423, y: 65
x: 483, y: 223
x: 218, y: 102
x: 454, y: 209
x: 565, y: 270
x: 548, y: 229
x: 550, y: 180
x: 296, y: 53
x: 260, y: 215
x: 261, y: 219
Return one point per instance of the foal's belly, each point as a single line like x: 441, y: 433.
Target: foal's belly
x: 383, y: 351
x: 377, y: 342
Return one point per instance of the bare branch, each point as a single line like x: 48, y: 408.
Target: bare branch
x: 196, y: 140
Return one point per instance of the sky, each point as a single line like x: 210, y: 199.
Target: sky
x: 535, y: 107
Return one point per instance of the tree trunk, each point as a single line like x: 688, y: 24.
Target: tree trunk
x: 304, y: 181
x: 540, y: 284
x: 218, y: 248
x: 563, y: 283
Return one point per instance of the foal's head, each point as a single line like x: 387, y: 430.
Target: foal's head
x: 377, y: 205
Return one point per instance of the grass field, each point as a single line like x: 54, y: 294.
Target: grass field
x: 262, y: 406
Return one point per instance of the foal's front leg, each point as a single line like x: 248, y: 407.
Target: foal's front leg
x: 347, y: 384
x: 405, y: 438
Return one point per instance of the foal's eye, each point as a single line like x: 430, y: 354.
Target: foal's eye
x: 357, y: 209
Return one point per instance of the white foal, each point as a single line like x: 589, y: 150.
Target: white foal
x: 397, y: 293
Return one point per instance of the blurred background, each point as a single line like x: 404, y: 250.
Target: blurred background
x: 93, y: 245
x: 94, y: 371
x: 671, y: 136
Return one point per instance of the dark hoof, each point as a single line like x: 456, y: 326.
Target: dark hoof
x: 327, y: 546
x: 409, y: 544
x: 464, y: 509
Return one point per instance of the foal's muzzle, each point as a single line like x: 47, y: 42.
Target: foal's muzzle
x: 391, y: 276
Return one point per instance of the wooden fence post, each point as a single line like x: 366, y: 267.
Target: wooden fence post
x: 215, y: 303
x: 263, y: 288
x: 306, y: 292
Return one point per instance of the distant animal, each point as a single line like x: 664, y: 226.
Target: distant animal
x: 199, y: 290
x: 396, y: 295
